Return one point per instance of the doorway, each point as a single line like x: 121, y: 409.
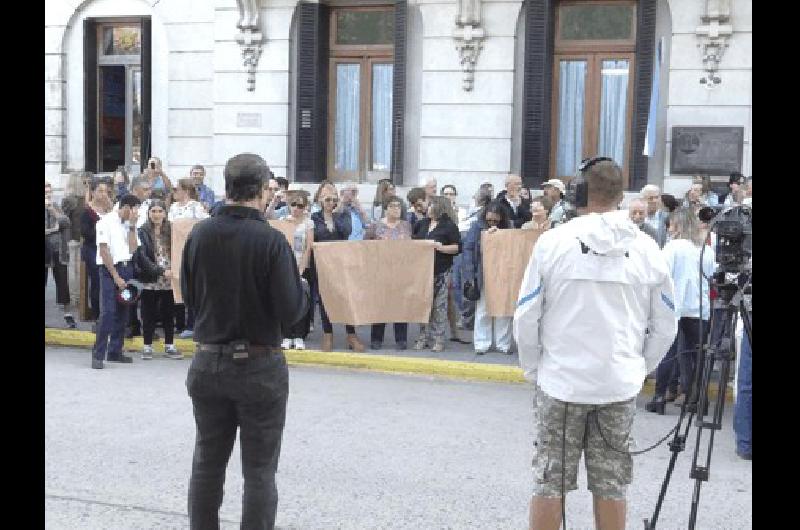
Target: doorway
x: 119, y: 96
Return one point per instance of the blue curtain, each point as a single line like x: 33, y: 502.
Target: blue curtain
x: 382, y: 116
x: 572, y: 81
x: 613, y: 110
x: 347, y: 116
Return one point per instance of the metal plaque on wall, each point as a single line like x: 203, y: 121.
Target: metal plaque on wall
x: 706, y: 150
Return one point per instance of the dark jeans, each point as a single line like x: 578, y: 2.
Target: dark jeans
x: 684, y: 350
x: 743, y: 410
x: 400, y: 332
x: 133, y: 321
x: 227, y: 394
x: 667, y: 372
x: 327, y: 327
x: 157, y: 304
x: 300, y: 329
x: 89, y: 256
x: 60, y: 277
x: 113, y: 315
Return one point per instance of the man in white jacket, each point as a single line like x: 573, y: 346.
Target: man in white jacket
x: 595, y: 315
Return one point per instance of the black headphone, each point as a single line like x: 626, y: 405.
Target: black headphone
x: 578, y: 187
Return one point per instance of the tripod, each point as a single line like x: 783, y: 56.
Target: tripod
x: 697, y: 402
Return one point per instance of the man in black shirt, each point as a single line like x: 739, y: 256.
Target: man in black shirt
x: 240, y: 277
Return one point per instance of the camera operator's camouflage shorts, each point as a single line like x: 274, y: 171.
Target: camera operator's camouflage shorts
x: 609, y: 470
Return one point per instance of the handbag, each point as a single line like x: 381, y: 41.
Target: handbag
x: 470, y: 291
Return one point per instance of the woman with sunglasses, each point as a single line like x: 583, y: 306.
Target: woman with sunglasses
x: 391, y: 227
x: 295, y: 335
x: 331, y: 225
x: 493, y: 217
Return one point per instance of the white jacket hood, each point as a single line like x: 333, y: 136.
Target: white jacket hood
x: 613, y: 235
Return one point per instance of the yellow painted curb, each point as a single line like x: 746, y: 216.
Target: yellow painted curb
x: 378, y: 363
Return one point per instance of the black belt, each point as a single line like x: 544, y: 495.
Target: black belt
x: 123, y: 263
x: 239, y: 350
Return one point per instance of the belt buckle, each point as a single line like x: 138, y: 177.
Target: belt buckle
x: 240, y: 349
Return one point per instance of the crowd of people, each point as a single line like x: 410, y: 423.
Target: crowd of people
x: 337, y: 214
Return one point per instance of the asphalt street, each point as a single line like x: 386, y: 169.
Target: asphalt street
x: 360, y: 450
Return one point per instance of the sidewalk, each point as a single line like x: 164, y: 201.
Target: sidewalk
x: 457, y: 361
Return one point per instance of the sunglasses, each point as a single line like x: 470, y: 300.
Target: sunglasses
x: 298, y: 205
x: 331, y: 199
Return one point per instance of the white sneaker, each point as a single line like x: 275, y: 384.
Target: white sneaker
x: 299, y: 344
x: 172, y: 352
x: 287, y: 344
x: 147, y: 353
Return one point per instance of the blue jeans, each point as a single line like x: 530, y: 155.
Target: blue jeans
x: 113, y: 315
x: 743, y: 410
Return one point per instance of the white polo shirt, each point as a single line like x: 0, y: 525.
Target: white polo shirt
x: 113, y: 231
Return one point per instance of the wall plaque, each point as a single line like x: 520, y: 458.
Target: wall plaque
x: 706, y: 150
x: 248, y: 119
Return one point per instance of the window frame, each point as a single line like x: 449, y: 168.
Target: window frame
x: 340, y: 50
x: 592, y: 104
x: 596, y: 45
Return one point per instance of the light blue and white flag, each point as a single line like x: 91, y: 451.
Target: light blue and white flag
x: 650, y: 137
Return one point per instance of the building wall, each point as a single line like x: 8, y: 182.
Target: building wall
x: 465, y: 137
x: 692, y: 104
x: 202, y: 112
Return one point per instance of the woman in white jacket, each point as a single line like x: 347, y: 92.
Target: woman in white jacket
x: 692, y: 302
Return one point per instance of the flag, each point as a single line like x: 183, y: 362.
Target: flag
x: 650, y: 137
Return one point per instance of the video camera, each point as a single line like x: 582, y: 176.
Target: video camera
x: 734, y: 229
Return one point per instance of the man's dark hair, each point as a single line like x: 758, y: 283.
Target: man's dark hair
x: 198, y: 166
x: 96, y: 181
x: 245, y: 175
x: 605, y: 182
x: 282, y: 182
x: 129, y: 200
x: 498, y: 208
x: 449, y: 186
x: 735, y: 177
x: 415, y: 194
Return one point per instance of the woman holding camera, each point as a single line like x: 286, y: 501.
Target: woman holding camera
x: 153, y: 263
x: 156, y: 176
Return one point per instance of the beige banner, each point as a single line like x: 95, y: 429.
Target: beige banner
x: 288, y: 228
x: 370, y: 282
x: 506, y: 254
x: 180, y: 231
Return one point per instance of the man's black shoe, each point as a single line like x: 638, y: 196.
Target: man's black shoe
x: 120, y: 359
x: 743, y: 455
x: 70, y: 320
x: 97, y: 364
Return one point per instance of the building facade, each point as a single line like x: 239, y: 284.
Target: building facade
x: 466, y: 91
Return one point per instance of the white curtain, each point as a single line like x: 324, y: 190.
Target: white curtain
x: 613, y: 110
x: 347, y: 116
x: 571, y: 94
x: 382, y: 116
